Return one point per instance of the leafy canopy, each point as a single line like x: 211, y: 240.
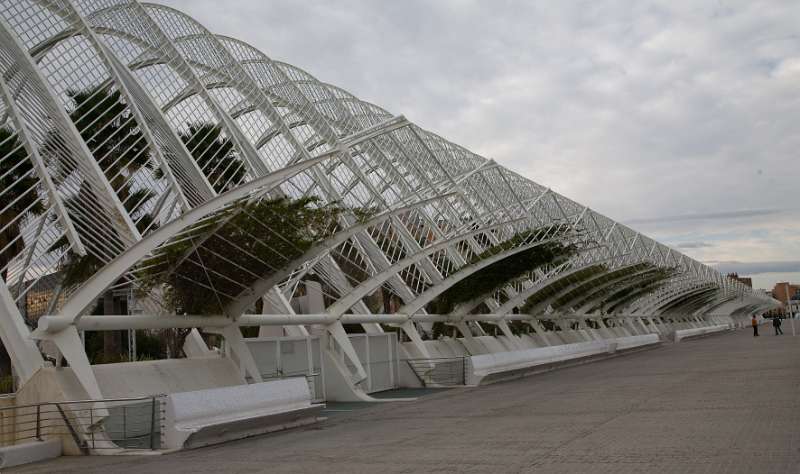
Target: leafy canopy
x: 495, y: 275
x: 252, y: 240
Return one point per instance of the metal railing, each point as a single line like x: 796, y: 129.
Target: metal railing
x: 440, y: 372
x: 117, y: 423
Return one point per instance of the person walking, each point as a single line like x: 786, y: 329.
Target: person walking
x: 776, y: 323
x: 754, y: 322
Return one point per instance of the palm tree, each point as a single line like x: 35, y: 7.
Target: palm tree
x: 214, y: 155
x: 108, y: 128
x: 19, y: 188
x: 17, y: 181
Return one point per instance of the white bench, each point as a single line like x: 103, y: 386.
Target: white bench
x: 211, y: 416
x: 32, y: 451
x: 499, y: 365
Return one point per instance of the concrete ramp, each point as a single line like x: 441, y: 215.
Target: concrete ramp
x: 211, y: 416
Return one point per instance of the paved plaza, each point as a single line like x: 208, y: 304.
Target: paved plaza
x: 724, y: 404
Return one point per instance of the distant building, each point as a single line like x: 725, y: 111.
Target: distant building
x: 744, y: 280
x: 784, y: 291
x: 787, y: 293
x: 40, y: 297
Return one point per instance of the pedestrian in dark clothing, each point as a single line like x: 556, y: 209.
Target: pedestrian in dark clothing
x: 776, y: 323
x: 754, y: 322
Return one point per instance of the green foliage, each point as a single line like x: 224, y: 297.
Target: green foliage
x: 148, y: 346
x: 495, y: 275
x: 218, y: 264
x: 215, y: 155
x: 586, y: 284
x: 79, y: 268
x: 364, y: 214
x: 18, y: 185
x: 108, y: 128
x: 110, y: 131
x: 650, y: 282
x: 556, y: 286
x: 7, y: 384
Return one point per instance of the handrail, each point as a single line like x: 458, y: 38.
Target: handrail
x: 89, y: 426
x: 104, y: 400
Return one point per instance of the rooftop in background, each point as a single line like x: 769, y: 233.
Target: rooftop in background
x: 744, y: 280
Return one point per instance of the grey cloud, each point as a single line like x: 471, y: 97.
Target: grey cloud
x: 746, y: 268
x: 708, y: 216
x: 694, y: 245
x: 664, y: 108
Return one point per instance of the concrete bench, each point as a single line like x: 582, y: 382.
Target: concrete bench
x: 32, y: 451
x: 204, y: 417
x: 696, y: 332
x: 486, y: 368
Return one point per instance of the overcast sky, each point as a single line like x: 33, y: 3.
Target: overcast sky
x: 677, y: 117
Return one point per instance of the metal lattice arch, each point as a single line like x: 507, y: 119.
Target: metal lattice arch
x: 74, y: 190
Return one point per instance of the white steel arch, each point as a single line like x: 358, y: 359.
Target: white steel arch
x: 198, y: 123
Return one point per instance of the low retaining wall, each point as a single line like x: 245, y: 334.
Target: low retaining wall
x: 487, y: 368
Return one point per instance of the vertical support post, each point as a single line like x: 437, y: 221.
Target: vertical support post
x: 39, y: 422
x: 391, y: 338
x: 153, y: 423
x: 339, y: 335
x: 369, y: 363
x: 789, y: 307
x: 91, y: 423
x: 278, y: 358
x: 312, y: 381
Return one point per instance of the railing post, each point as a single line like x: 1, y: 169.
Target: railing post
x: 153, y: 425
x: 91, y: 423
x: 39, y: 422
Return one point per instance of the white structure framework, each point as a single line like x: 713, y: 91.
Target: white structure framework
x: 108, y: 108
